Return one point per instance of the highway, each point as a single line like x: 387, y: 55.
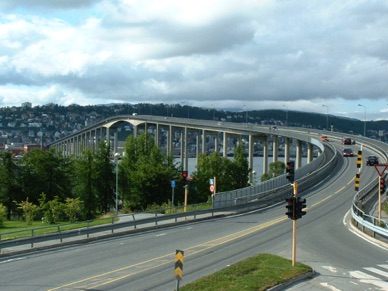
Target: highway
x: 342, y: 259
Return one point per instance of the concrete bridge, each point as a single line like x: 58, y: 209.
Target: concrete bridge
x: 189, y: 137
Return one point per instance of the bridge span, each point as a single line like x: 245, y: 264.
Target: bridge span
x: 189, y: 137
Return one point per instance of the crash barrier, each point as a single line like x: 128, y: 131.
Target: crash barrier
x: 370, y: 224
x: 126, y: 224
x: 278, y: 188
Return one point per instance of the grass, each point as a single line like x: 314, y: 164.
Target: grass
x: 18, y: 229
x: 256, y: 273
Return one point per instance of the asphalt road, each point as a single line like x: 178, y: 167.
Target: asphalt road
x: 145, y: 261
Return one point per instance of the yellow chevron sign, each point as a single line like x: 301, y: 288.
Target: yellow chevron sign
x: 357, y: 182
x: 359, y: 159
x: 179, y: 257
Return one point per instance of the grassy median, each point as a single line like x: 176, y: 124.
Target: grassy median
x: 256, y: 273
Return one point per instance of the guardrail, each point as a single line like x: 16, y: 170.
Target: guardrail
x: 277, y: 189
x: 114, y: 228
x: 366, y: 222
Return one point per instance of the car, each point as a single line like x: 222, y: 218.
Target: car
x: 324, y: 138
x: 372, y: 160
x: 346, y: 140
x: 347, y: 152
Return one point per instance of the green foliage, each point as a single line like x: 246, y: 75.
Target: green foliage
x: 3, y: 214
x: 145, y: 173
x: 229, y: 174
x: 104, y: 178
x: 45, y: 172
x: 52, y: 209
x: 85, y: 188
x: 9, y: 183
x: 265, y: 177
x: 72, y: 207
x: 275, y: 169
x: 260, y: 272
x: 29, y: 210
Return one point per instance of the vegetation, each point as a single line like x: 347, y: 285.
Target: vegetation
x: 51, y: 188
x: 275, y: 169
x: 257, y: 273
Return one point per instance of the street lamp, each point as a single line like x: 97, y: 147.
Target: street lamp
x: 246, y: 113
x: 117, y: 155
x: 364, y: 118
x: 327, y: 116
x: 286, y: 114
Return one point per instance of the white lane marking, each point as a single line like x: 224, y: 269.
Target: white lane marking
x: 161, y: 234
x: 12, y: 260
x: 368, y: 279
x: 330, y: 268
x: 377, y: 271
x: 330, y: 287
x: 383, y: 266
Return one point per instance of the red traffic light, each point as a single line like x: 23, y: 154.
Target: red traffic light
x: 184, y: 175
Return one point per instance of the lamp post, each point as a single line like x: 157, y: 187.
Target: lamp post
x: 286, y: 114
x: 327, y: 116
x: 117, y: 155
x: 246, y: 113
x: 364, y: 118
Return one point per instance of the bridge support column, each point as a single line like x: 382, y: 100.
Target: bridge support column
x: 225, y: 144
x: 250, y: 158
x: 287, y: 150
x: 275, y: 147
x: 265, y: 155
x: 298, y: 154
x: 310, y: 153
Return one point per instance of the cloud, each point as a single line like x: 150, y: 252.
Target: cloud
x: 224, y: 53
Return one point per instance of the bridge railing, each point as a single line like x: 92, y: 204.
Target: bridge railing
x: 279, y: 188
x: 367, y: 222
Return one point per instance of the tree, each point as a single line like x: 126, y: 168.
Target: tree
x: 104, y: 178
x: 3, y: 214
x: 72, y: 207
x: 10, y: 189
x: 45, y: 172
x: 230, y: 174
x: 146, y: 173
x: 52, y: 209
x: 84, y: 177
x: 29, y: 210
x: 275, y: 169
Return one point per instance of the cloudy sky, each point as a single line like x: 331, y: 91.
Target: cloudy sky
x: 329, y: 57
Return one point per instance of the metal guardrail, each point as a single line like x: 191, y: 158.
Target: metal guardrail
x: 277, y: 189
x: 367, y: 222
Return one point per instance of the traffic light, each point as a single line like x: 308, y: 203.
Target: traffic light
x: 382, y: 186
x: 184, y: 177
x: 290, y: 171
x: 300, y: 205
x: 290, y: 207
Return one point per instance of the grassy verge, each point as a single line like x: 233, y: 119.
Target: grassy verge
x: 256, y: 273
x: 19, y: 229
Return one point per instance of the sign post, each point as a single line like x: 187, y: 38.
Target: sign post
x: 380, y: 168
x: 172, y: 195
x: 179, y: 257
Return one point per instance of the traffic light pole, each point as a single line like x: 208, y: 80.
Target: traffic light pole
x: 295, y: 186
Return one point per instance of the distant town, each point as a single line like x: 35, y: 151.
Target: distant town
x: 25, y: 127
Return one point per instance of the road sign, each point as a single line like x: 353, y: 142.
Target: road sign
x: 211, y: 181
x: 212, y: 188
x: 173, y: 184
x: 179, y: 257
x: 380, y: 168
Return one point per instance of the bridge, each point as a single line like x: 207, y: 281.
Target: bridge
x: 191, y: 133
x: 192, y: 137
